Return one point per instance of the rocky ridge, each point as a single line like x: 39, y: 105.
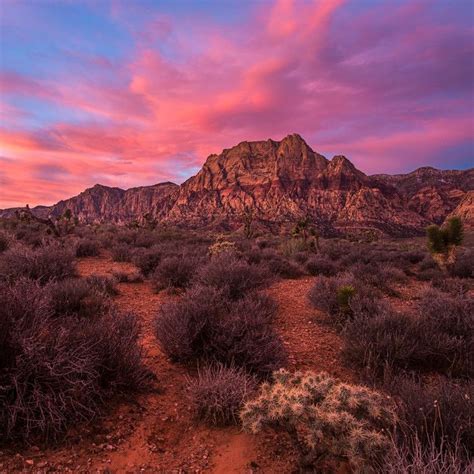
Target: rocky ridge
x: 282, y: 181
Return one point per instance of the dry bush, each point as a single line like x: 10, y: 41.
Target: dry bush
x: 438, y: 337
x: 76, y: 297
x: 324, y: 293
x: 125, y: 277
x: 147, y: 259
x: 103, y: 284
x: 205, y: 324
x: 412, y: 456
x: 321, y: 265
x: 324, y: 418
x: 176, y: 272
x: 379, y: 276
x: 302, y: 257
x: 218, y: 393
x: 234, y: 276
x: 448, y: 322
x: 4, y: 242
x: 454, y: 286
x: 121, y: 252
x: 87, y: 248
x: 43, y: 264
x: 56, y: 372
x: 282, y: 267
x: 463, y: 267
x: 440, y: 412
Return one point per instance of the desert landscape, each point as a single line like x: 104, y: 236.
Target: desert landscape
x: 237, y: 237
x: 195, y: 337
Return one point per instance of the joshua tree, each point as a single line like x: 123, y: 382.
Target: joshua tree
x: 442, y: 241
x: 305, y: 230
x: 248, y: 217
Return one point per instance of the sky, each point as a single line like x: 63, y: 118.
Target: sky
x: 135, y: 92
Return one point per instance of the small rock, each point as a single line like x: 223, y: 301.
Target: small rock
x: 30, y: 462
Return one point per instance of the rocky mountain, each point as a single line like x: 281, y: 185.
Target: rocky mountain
x: 281, y: 181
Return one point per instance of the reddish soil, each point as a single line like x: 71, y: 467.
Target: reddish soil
x: 154, y: 431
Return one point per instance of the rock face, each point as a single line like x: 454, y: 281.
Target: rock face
x: 104, y: 204
x: 465, y: 210
x: 280, y: 182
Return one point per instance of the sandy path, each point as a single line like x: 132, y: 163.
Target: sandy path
x: 154, y: 431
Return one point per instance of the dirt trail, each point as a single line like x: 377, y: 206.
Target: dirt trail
x: 155, y: 432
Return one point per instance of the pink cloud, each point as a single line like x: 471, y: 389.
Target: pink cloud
x: 389, y: 86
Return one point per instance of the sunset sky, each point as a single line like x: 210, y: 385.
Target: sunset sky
x: 128, y: 93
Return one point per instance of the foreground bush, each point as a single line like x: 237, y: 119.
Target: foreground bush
x: 175, y: 272
x: 42, y: 264
x: 56, y: 372
x: 437, y: 337
x: 87, y: 248
x: 147, y: 259
x: 121, y: 252
x: 235, y: 277
x: 205, y: 324
x: 323, y: 417
x: 439, y: 413
x: 76, y: 297
x: 218, y: 393
x: 321, y: 265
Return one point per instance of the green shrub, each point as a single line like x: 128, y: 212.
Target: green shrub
x: 344, y: 295
x: 323, y: 417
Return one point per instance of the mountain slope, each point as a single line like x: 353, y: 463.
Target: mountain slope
x: 282, y: 181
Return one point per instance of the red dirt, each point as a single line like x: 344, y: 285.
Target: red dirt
x: 154, y: 431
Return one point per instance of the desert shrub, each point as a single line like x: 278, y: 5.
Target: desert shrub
x: 438, y: 337
x: 301, y: 257
x: 218, y: 393
x: 324, y: 293
x: 4, y: 242
x: 175, y: 272
x: 43, y: 264
x: 282, y: 267
x: 428, y: 263
x: 234, y: 276
x: 55, y: 373
x: 430, y: 274
x: 447, y: 321
x: 125, y: 277
x: 121, y: 252
x: 463, y: 266
x: 117, y: 352
x: 323, y: 417
x: 411, y: 456
x: 386, y: 338
x: 147, y: 259
x: 321, y: 265
x: 105, y: 285
x: 440, y: 412
x: 87, y: 248
x: 76, y: 297
x: 379, y: 276
x: 453, y: 286
x: 205, y: 324
x: 344, y: 296
x: 293, y: 246
x: 222, y: 247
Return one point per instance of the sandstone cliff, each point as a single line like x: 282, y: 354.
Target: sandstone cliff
x: 281, y: 181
